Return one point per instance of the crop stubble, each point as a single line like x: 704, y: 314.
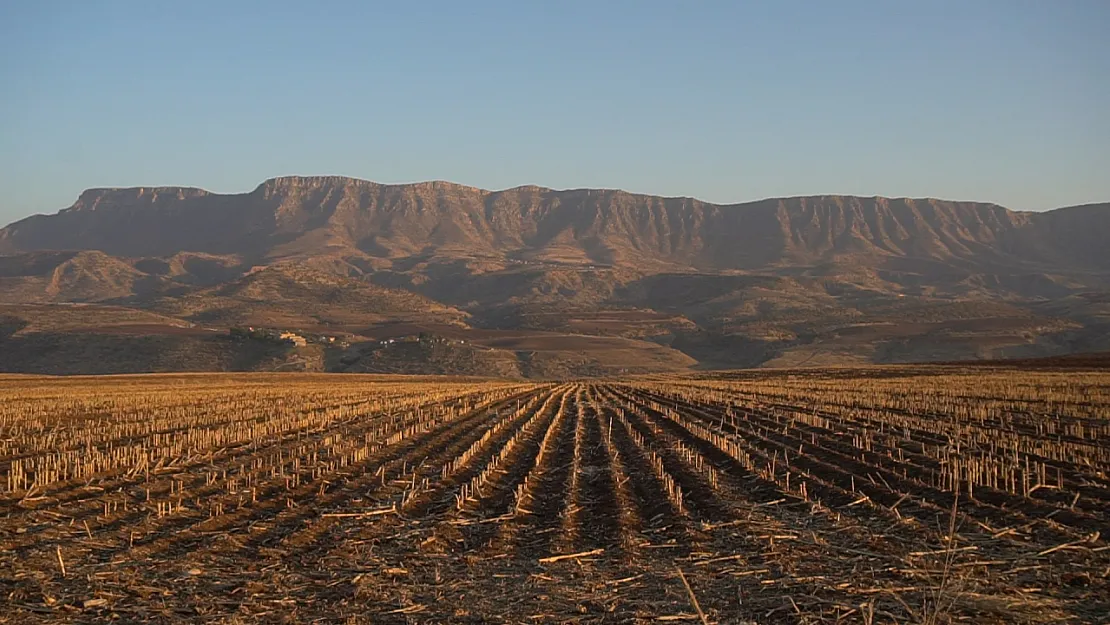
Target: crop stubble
x: 920, y: 495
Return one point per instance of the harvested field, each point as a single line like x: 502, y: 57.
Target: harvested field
x: 882, y: 495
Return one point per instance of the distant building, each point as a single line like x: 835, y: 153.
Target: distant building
x: 295, y: 339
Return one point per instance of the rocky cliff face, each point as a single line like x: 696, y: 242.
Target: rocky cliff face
x: 306, y: 216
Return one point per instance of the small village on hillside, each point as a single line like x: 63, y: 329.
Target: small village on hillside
x: 303, y: 339
x: 280, y: 336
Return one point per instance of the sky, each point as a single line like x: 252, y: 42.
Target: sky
x: 1006, y: 101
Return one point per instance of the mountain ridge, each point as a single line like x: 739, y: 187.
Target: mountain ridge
x: 315, y: 179
x: 337, y: 211
x: 807, y: 279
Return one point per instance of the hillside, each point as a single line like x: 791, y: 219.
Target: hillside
x: 821, y: 279
x: 63, y: 339
x: 69, y: 276
x: 292, y: 295
x: 60, y: 339
x: 314, y: 216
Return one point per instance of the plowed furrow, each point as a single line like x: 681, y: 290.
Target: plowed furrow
x: 191, y: 532
x: 594, y: 519
x: 402, y: 469
x: 546, y: 490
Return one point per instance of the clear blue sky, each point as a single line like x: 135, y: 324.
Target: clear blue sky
x: 995, y: 100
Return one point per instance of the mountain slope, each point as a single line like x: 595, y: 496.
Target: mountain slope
x: 295, y: 296
x: 354, y: 219
x: 803, y: 280
x: 69, y: 277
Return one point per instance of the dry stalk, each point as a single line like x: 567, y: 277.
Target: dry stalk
x: 693, y: 597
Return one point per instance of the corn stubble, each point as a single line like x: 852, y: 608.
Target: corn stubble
x: 926, y: 495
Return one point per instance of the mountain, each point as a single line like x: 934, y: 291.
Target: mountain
x: 780, y: 281
x: 296, y: 216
